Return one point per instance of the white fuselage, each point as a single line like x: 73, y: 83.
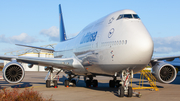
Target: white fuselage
x: 109, y: 45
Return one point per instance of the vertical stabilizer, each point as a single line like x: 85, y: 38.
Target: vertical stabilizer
x: 62, y: 32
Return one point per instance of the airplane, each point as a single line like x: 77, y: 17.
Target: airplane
x: 116, y: 45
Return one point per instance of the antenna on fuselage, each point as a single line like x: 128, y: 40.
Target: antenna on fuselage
x: 62, y: 33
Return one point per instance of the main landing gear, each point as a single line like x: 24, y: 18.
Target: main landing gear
x: 124, y: 89
x: 70, y: 81
x: 90, y: 82
x: 114, y: 83
x: 51, y: 82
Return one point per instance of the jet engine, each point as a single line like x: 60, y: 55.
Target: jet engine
x: 164, y: 72
x: 13, y: 72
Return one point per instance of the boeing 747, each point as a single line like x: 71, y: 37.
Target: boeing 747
x: 116, y: 45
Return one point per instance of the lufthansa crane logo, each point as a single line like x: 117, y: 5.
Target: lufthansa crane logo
x: 110, y: 33
x: 111, y: 20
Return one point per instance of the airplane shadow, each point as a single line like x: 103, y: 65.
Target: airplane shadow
x: 101, y: 86
x: 105, y: 86
x: 177, y: 80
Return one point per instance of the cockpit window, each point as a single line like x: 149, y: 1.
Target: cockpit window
x: 129, y: 16
x: 120, y: 16
x: 136, y: 16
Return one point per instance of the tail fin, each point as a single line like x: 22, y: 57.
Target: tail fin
x: 61, y: 27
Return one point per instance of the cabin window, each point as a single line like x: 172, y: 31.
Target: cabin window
x: 122, y: 41
x: 125, y: 41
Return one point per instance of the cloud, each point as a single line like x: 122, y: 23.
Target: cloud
x: 22, y: 38
x: 167, y: 44
x: 52, y: 33
x: 3, y: 39
x: 163, y: 49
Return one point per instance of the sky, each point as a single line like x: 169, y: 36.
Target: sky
x: 36, y: 22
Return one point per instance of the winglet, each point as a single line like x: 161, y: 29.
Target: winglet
x: 62, y: 32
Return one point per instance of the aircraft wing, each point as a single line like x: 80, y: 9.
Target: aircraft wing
x: 54, y: 62
x: 168, y: 58
x: 42, y: 48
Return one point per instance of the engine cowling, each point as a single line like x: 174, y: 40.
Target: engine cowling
x: 13, y: 72
x: 164, y: 72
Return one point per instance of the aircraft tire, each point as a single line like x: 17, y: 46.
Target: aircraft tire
x: 74, y: 83
x: 111, y: 83
x: 66, y: 83
x: 129, y: 92
x: 88, y: 83
x: 55, y: 83
x: 95, y: 83
x: 117, y: 83
x: 48, y: 83
x: 121, y: 91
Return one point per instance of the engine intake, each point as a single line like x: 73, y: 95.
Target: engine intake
x: 164, y: 72
x: 13, y: 72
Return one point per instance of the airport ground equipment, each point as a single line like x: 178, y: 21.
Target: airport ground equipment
x: 146, y: 74
x: 135, y: 94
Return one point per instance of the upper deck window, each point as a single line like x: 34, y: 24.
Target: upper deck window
x: 129, y: 16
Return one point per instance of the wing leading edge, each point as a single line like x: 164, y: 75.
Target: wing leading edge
x: 41, y: 48
x: 54, y: 62
x: 168, y: 58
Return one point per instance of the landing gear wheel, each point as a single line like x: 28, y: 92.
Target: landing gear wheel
x: 117, y: 83
x: 66, y: 83
x: 88, y: 83
x: 48, y: 82
x: 121, y: 91
x: 129, y: 91
x: 55, y: 83
x: 112, y: 83
x: 95, y: 83
x: 74, y: 83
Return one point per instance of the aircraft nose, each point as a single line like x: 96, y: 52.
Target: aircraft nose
x: 144, y: 46
x: 145, y: 43
x: 141, y: 43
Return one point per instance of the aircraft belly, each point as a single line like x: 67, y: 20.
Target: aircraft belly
x: 112, y: 68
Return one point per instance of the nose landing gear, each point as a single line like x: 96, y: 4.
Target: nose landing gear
x: 124, y: 89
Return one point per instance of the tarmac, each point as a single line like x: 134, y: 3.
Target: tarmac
x: 167, y: 92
